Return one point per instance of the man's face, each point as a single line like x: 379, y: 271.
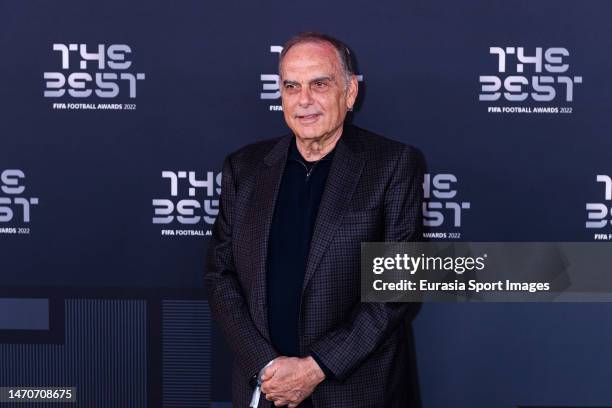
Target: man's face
x: 313, y: 90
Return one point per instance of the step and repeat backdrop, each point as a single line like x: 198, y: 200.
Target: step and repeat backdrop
x: 115, y: 118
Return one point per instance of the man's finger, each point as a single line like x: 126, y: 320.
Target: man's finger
x: 265, y: 388
x: 278, y: 399
x: 269, y: 387
x: 269, y: 372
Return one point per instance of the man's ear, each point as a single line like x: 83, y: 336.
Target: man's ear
x: 351, y: 93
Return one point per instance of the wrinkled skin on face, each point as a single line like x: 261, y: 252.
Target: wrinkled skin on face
x: 315, y: 96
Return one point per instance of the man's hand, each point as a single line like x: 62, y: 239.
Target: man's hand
x: 290, y: 380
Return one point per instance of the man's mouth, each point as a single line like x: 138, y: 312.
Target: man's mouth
x: 308, y: 118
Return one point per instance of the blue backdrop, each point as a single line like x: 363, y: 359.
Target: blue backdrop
x: 115, y: 119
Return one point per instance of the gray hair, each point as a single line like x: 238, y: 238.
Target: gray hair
x: 344, y: 54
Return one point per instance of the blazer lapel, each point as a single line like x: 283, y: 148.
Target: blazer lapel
x: 342, y: 179
x: 265, y: 192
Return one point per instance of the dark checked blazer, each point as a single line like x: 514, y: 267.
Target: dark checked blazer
x: 373, y: 193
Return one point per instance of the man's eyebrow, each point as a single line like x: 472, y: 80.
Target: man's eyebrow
x: 317, y: 79
x: 324, y: 78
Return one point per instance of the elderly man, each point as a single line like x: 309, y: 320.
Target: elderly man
x: 283, y: 266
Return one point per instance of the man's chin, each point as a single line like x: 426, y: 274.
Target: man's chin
x: 307, y: 133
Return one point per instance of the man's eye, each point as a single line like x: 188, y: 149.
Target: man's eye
x: 320, y: 84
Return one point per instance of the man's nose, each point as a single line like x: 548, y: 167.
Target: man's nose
x: 305, y: 96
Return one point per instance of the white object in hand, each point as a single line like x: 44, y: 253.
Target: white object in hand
x: 257, y: 393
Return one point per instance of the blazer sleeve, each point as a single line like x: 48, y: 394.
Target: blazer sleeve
x: 225, y: 295
x: 345, y: 347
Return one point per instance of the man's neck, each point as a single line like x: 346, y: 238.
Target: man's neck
x: 316, y: 149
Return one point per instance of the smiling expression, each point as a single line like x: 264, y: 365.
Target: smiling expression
x: 314, y: 92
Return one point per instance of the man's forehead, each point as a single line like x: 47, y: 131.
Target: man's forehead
x: 310, y: 58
